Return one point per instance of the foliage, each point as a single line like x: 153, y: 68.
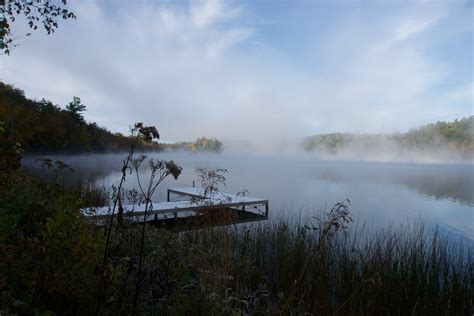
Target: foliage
x: 10, y: 152
x: 75, y: 107
x: 456, y: 136
x: 49, y: 253
x: 201, y: 144
x: 36, y: 12
x: 41, y: 126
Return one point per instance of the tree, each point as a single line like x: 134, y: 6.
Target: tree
x: 76, y: 108
x: 36, y: 12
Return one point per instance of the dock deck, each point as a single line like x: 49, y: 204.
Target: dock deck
x: 224, y: 208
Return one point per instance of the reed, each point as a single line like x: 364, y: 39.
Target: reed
x: 303, y: 269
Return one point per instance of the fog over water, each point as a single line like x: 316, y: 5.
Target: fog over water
x: 381, y: 194
x: 381, y: 148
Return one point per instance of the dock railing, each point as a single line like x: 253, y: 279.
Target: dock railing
x: 197, y: 204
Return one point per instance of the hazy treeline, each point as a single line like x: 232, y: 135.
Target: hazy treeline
x: 440, y: 140
x: 201, y: 144
x: 41, y: 126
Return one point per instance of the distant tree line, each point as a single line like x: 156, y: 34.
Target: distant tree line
x: 201, y: 144
x: 41, y: 126
x: 456, y: 136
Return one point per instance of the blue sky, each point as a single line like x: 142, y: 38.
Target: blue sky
x: 255, y: 70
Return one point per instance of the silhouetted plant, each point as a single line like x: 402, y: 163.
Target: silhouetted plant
x: 211, y: 180
x: 75, y: 107
x: 160, y: 170
x: 336, y: 220
x: 36, y: 12
x: 138, y: 131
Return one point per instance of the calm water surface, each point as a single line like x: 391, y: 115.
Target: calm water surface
x: 381, y: 194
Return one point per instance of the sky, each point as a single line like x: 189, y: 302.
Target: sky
x: 260, y: 71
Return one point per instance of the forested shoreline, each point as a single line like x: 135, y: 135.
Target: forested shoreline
x: 455, y: 137
x: 45, y: 127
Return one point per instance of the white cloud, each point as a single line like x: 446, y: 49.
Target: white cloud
x: 194, y: 70
x: 207, y: 13
x: 412, y: 26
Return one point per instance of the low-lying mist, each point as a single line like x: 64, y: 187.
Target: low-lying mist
x: 390, y: 151
x: 440, y: 142
x: 382, y: 149
x: 380, y: 193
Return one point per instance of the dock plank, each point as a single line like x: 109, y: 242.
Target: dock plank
x: 182, y: 209
x: 216, y: 197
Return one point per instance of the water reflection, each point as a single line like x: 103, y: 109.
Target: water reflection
x: 453, y: 182
x: 381, y: 193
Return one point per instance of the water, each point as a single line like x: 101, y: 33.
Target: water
x: 381, y: 194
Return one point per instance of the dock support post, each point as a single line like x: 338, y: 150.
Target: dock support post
x: 266, y: 209
x: 243, y: 207
x: 156, y: 217
x: 168, y: 196
x: 175, y: 215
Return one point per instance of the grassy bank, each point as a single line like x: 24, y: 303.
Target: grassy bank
x: 53, y: 261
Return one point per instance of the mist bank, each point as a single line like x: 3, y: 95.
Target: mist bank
x: 436, y: 142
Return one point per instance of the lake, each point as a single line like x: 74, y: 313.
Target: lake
x: 381, y: 194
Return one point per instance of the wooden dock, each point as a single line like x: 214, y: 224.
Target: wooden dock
x: 192, y: 207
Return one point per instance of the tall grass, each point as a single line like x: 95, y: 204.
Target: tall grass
x: 406, y: 271
x: 284, y: 269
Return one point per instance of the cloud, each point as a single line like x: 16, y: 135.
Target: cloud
x: 194, y: 69
x: 207, y: 13
x: 410, y: 27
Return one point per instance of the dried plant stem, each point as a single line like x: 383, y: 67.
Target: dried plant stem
x: 160, y: 170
